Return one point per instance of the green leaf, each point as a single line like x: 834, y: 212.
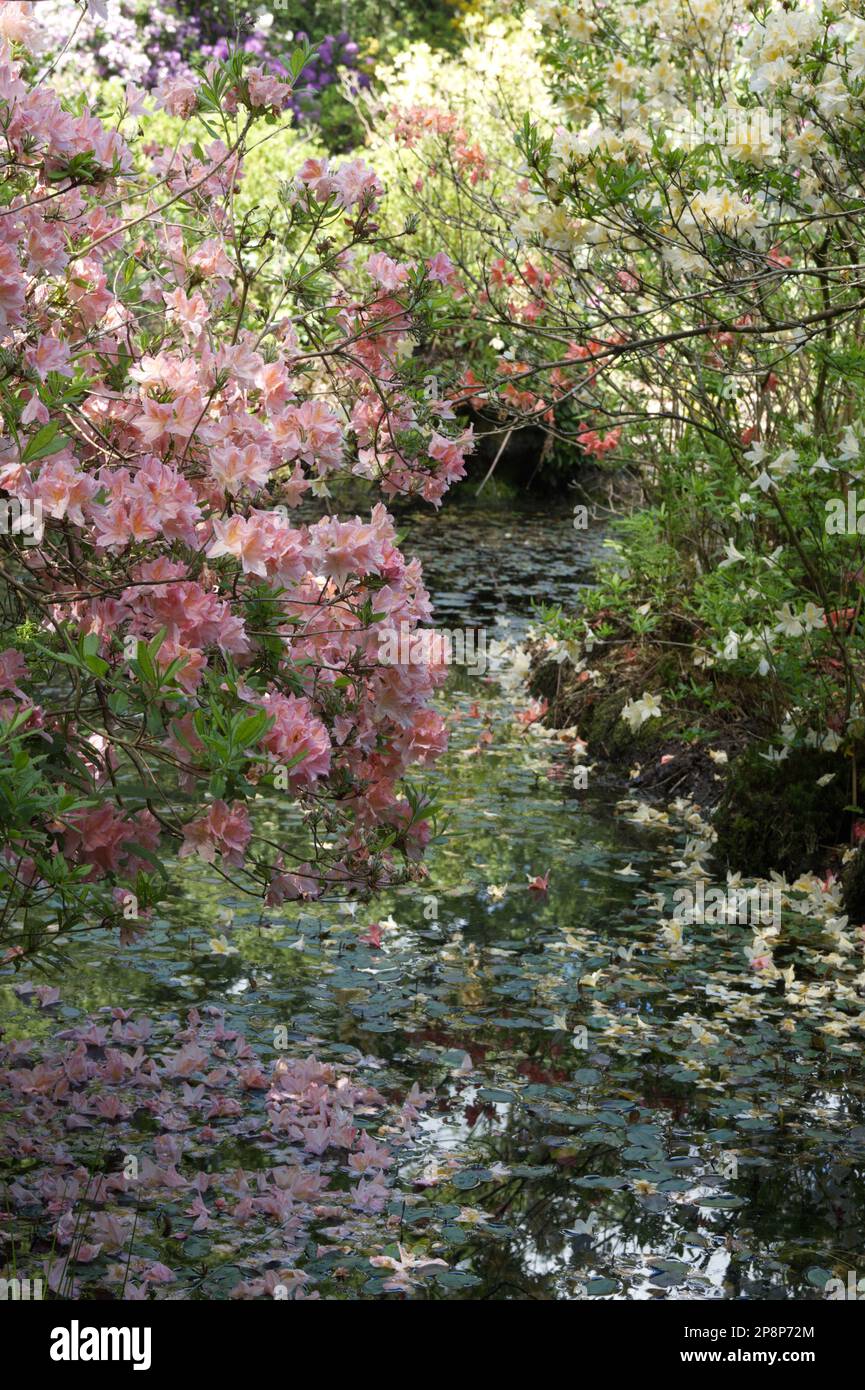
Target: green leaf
x: 44, y: 442
x: 456, y: 1279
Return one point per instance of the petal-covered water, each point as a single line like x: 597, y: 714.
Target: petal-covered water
x: 529, y: 1083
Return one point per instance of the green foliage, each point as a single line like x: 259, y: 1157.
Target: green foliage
x: 777, y: 816
x: 385, y: 22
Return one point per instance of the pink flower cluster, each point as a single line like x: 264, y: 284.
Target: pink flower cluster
x: 466, y: 157
x: 167, y: 440
x: 225, y: 829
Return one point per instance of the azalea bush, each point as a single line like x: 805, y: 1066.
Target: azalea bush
x: 177, y: 378
x: 127, y: 40
x: 441, y: 126
x: 671, y: 283
x: 144, y: 43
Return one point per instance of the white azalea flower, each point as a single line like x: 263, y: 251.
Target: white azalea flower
x: 849, y: 444
x: 786, y: 463
x: 731, y: 555
x: 813, y: 617
x: 789, y: 623
x: 220, y: 946
x: 822, y: 465
x: 636, y: 712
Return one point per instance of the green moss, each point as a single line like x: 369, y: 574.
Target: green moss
x: 597, y: 715
x: 775, y: 816
x: 607, y: 733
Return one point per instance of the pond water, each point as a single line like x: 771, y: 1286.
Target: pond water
x: 610, y: 1117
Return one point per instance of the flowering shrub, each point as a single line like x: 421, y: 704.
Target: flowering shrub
x: 130, y: 40
x: 143, y: 43
x: 671, y: 280
x: 441, y: 127
x: 177, y: 377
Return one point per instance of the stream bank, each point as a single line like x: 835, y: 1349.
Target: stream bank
x: 722, y: 756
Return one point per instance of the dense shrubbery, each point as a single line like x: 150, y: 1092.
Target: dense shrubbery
x: 177, y: 374
x: 671, y: 281
x: 136, y: 41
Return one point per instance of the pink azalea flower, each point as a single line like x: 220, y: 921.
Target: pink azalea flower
x: 225, y: 830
